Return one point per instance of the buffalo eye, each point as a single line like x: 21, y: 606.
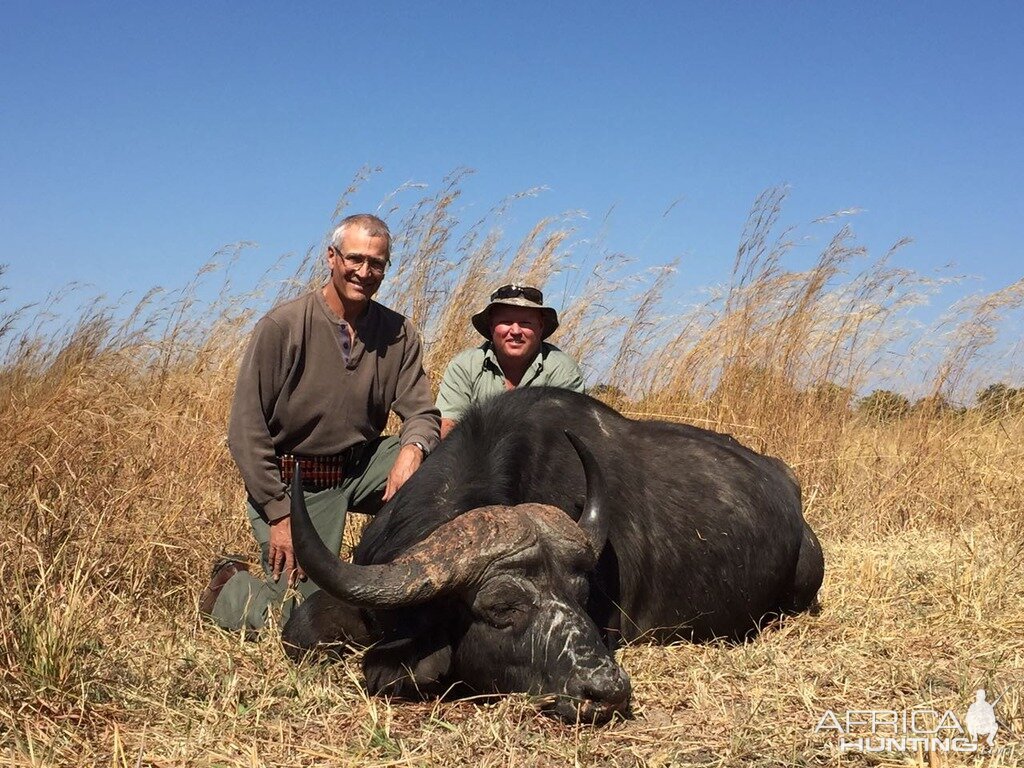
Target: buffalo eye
x: 579, y: 585
x: 503, y: 603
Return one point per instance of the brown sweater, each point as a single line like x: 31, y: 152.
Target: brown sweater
x: 296, y: 394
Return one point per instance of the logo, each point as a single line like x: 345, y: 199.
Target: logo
x: 919, y: 728
x: 981, y: 719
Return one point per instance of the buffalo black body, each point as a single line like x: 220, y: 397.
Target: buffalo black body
x: 706, y: 538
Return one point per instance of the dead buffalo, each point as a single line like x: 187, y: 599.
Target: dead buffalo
x: 515, y: 559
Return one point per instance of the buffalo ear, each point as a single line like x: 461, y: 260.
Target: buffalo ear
x: 412, y: 667
x: 324, y: 624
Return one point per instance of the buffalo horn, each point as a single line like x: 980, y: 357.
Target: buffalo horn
x: 453, y: 555
x: 365, y: 586
x: 594, y: 519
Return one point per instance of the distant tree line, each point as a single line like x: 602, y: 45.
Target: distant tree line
x: 994, y: 401
x: 1000, y: 400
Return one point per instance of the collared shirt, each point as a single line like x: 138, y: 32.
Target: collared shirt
x: 306, y: 387
x: 474, y: 375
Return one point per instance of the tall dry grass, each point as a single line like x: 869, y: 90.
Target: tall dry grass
x: 118, y: 493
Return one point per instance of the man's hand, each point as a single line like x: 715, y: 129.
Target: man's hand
x: 408, y: 461
x: 447, y: 425
x: 282, y: 553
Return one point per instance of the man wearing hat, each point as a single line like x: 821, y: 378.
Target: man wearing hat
x: 514, y: 323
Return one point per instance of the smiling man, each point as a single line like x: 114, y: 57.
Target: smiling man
x: 515, y: 324
x: 320, y: 376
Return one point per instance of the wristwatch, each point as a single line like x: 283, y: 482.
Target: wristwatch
x: 422, y: 447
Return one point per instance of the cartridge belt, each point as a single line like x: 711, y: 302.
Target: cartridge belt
x: 319, y: 472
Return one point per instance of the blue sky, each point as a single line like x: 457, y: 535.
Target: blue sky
x: 138, y: 139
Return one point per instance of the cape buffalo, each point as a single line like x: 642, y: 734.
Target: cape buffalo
x: 477, y: 575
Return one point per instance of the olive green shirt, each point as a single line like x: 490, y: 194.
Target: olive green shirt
x: 474, y: 374
x: 302, y: 389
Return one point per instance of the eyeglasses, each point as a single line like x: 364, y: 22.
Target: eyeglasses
x: 355, y: 261
x: 515, y: 291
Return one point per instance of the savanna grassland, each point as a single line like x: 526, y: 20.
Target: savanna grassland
x: 118, y: 493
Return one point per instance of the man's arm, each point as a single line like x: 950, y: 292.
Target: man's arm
x: 454, y: 394
x: 421, y: 422
x: 258, y: 386
x: 256, y: 390
x: 408, y: 460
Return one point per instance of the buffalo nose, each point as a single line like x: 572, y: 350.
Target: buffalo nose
x: 595, y: 697
x: 608, y: 685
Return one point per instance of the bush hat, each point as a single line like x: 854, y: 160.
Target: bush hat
x: 516, y: 295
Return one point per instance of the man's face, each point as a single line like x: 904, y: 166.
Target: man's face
x: 516, y: 332
x: 357, y: 285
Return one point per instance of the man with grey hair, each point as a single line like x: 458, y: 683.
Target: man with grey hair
x: 514, y: 324
x: 317, y: 382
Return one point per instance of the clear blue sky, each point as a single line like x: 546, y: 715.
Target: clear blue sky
x: 137, y: 139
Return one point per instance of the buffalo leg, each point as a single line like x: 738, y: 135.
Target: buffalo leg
x: 810, y: 571
x: 414, y: 666
x: 603, y: 600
